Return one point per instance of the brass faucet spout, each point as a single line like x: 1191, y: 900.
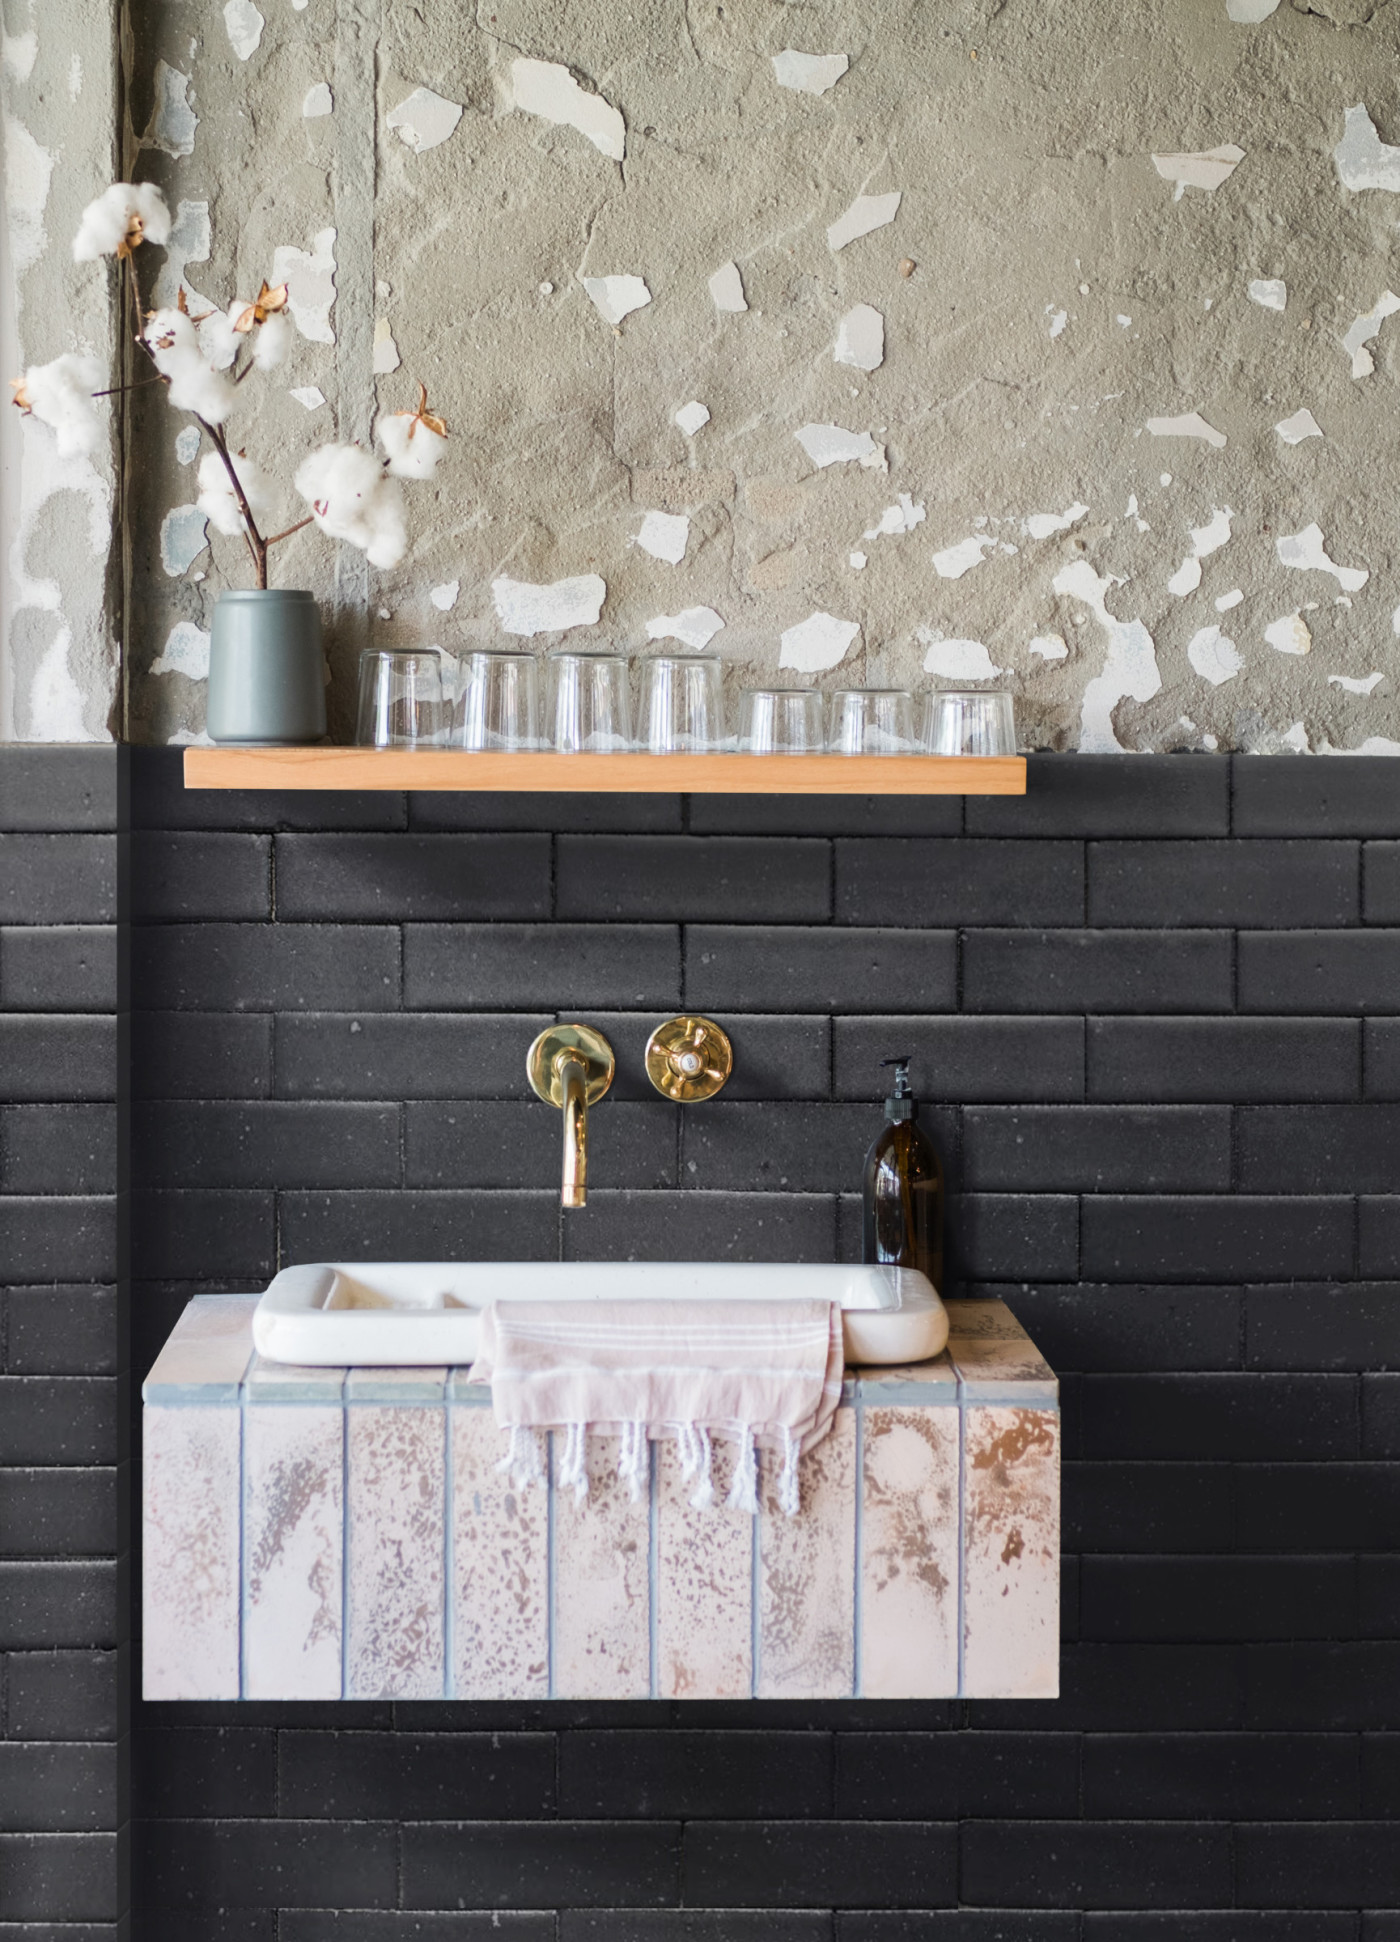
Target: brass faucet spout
x: 573, y: 1077
x: 572, y: 1067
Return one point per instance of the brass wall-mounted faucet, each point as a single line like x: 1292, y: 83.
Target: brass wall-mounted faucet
x: 572, y: 1066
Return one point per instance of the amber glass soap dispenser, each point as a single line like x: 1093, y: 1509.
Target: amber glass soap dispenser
x: 904, y: 1188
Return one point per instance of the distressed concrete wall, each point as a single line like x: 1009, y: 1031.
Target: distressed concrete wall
x: 1050, y: 303
x: 59, y: 566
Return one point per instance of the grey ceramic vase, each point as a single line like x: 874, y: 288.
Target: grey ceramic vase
x: 266, y: 669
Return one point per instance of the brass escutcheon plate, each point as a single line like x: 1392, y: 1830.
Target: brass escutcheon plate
x: 689, y: 1058
x: 557, y: 1043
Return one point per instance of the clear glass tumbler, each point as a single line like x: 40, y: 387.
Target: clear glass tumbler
x: 683, y: 709
x: 968, y: 721
x: 405, y: 698
x: 782, y: 721
x: 872, y: 721
x: 590, y: 703
x: 498, y: 700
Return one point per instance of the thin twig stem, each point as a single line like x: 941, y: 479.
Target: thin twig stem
x: 116, y: 390
x: 309, y: 520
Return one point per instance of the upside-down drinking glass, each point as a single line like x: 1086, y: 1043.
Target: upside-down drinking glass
x: 872, y: 721
x: 682, y: 709
x: 782, y: 721
x: 404, y: 698
x: 968, y: 721
x: 590, y: 703
x: 498, y: 704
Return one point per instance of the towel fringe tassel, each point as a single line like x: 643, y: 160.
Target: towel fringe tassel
x: 633, y: 1459
x: 743, y: 1492
x: 573, y: 1465
x: 523, y: 1461
x: 789, y: 1494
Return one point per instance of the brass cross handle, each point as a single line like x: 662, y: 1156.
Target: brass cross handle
x: 689, y: 1058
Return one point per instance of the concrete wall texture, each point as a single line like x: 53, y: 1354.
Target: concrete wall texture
x: 1099, y: 411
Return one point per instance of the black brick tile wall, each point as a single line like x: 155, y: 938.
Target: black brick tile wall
x: 64, y: 1468
x: 1154, y: 1008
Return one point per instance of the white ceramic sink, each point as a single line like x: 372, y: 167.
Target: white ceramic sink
x: 334, y: 1314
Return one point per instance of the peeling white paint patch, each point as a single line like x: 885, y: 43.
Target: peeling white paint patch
x: 953, y: 561
x: 1189, y: 424
x: 552, y: 609
x: 817, y: 643
x: 692, y: 416
x: 187, y: 445
x: 310, y: 279
x: 858, y: 562
x: 55, y: 699
x: 244, y: 25
x: 1050, y: 647
x: 957, y: 660
x: 694, y: 626
x: 173, y: 121
x: 727, y: 289
x: 1041, y: 525
x: 1205, y: 540
x: 28, y: 171
x: 902, y: 517
x: 1131, y: 512
x: 1214, y: 656
x: 191, y: 241
x: 1204, y: 169
x: 184, y: 534
x: 317, y: 102
x: 444, y: 598
x: 1363, y: 160
x: 1373, y: 745
x: 860, y: 338
x: 1130, y: 668
x: 1307, y: 551
x: 1289, y: 635
x: 665, y: 536
x: 424, y: 120
x: 1352, y: 686
x: 309, y: 396
x: 1365, y: 328
x: 1250, y: 12
x: 834, y: 445
x: 386, y: 352
x: 1300, y: 426
x: 547, y: 89
x: 1395, y: 621
x: 1058, y: 320
x: 186, y: 652
x: 186, y: 737
x: 865, y: 214
x: 1271, y: 292
x: 19, y: 53
x: 809, y: 73
x: 1229, y: 600
x: 616, y: 297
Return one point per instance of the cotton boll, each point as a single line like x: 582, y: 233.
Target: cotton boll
x: 413, y: 448
x: 174, y: 343
x: 218, y: 339
x: 271, y: 342
x: 60, y: 394
x: 218, y: 500
x: 351, y: 499
x: 124, y: 214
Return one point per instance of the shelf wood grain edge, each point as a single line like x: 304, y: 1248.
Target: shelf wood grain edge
x: 727, y: 775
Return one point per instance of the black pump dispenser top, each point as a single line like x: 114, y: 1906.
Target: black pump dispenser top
x: 901, y: 1103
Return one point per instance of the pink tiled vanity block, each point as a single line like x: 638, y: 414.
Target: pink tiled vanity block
x: 345, y: 1534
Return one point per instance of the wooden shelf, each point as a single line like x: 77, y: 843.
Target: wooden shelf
x: 709, y: 775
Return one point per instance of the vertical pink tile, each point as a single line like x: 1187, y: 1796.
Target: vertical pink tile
x: 704, y: 1586
x: 909, y: 1554
x: 1011, y: 1562
x: 602, y: 1595
x: 500, y: 1570
x: 293, y: 1551
x: 190, y: 1593
x: 807, y: 1571
x: 397, y: 1469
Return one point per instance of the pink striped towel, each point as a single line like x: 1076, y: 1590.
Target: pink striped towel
x: 752, y: 1372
